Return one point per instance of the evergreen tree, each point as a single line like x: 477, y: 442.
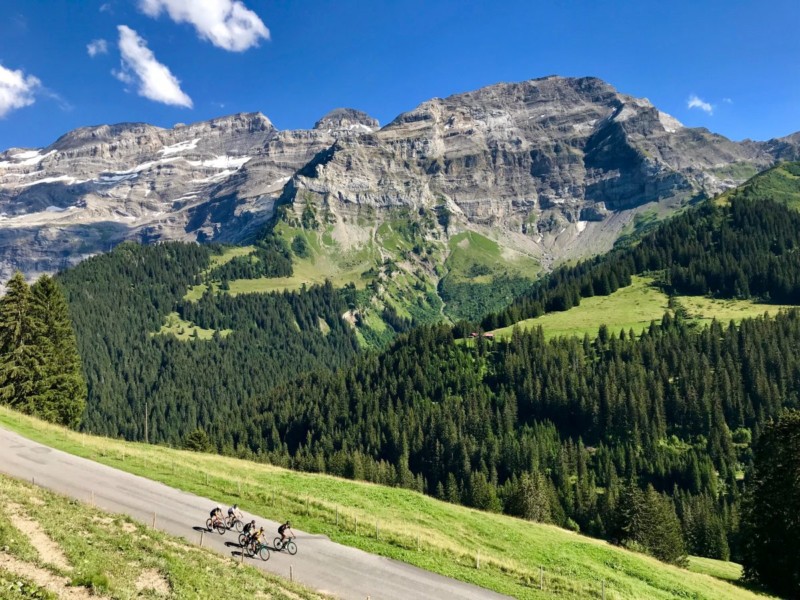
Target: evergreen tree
x: 21, y: 356
x: 771, y: 514
x: 61, y: 389
x: 646, y: 521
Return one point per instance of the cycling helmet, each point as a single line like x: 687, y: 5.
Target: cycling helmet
x: 261, y: 529
x: 219, y: 507
x: 253, y: 522
x: 235, y: 506
x: 288, y: 524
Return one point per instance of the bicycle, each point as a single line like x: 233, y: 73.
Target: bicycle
x: 286, y: 544
x: 216, y: 525
x: 258, y: 549
x: 233, y: 522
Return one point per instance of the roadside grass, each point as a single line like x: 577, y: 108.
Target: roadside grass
x: 634, y: 307
x: 16, y: 587
x: 491, y: 550
x: 108, y: 555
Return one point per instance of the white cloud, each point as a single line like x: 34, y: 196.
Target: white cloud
x: 227, y: 24
x: 106, y: 7
x: 727, y: 101
x: 695, y: 102
x: 139, y: 65
x: 16, y: 90
x: 96, y: 47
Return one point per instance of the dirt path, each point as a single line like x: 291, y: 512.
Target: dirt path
x: 49, y: 551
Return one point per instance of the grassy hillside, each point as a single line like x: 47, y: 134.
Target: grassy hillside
x: 780, y: 183
x: 52, y: 547
x: 633, y: 308
x: 491, y: 550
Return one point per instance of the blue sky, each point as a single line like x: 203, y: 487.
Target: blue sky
x: 170, y: 61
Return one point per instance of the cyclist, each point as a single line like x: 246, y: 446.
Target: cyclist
x: 216, y: 514
x: 249, y: 528
x: 234, y: 513
x: 282, y: 530
x: 256, y: 537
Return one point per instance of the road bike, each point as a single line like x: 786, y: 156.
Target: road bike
x: 286, y: 544
x: 216, y: 525
x: 233, y: 522
x: 258, y: 549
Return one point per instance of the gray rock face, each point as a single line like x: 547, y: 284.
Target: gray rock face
x: 554, y: 167
x: 347, y: 119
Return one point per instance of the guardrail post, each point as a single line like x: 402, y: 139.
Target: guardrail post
x: 201, y: 538
x: 478, y: 560
x: 291, y: 573
x: 154, y: 520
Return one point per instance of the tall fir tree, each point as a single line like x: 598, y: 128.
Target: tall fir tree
x: 62, y: 389
x: 770, y: 526
x: 21, y: 356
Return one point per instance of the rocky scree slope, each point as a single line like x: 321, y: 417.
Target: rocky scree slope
x: 552, y: 168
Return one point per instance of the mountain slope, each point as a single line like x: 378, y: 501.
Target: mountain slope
x: 514, y: 556
x: 551, y: 168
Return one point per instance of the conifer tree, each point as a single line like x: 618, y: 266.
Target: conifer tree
x: 61, y: 389
x: 20, y: 353
x: 771, y: 514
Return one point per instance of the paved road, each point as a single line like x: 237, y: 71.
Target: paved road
x: 338, y: 570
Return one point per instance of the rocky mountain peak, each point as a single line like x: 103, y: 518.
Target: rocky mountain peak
x: 554, y: 167
x: 349, y: 119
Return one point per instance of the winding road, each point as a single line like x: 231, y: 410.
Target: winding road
x: 320, y: 564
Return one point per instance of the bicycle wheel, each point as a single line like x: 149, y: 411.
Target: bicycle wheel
x: 238, y: 525
x: 242, y: 539
x: 209, y: 524
x: 220, y: 527
x: 263, y: 553
x: 291, y: 548
x: 276, y: 543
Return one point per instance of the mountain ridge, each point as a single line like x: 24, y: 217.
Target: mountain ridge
x: 552, y: 167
